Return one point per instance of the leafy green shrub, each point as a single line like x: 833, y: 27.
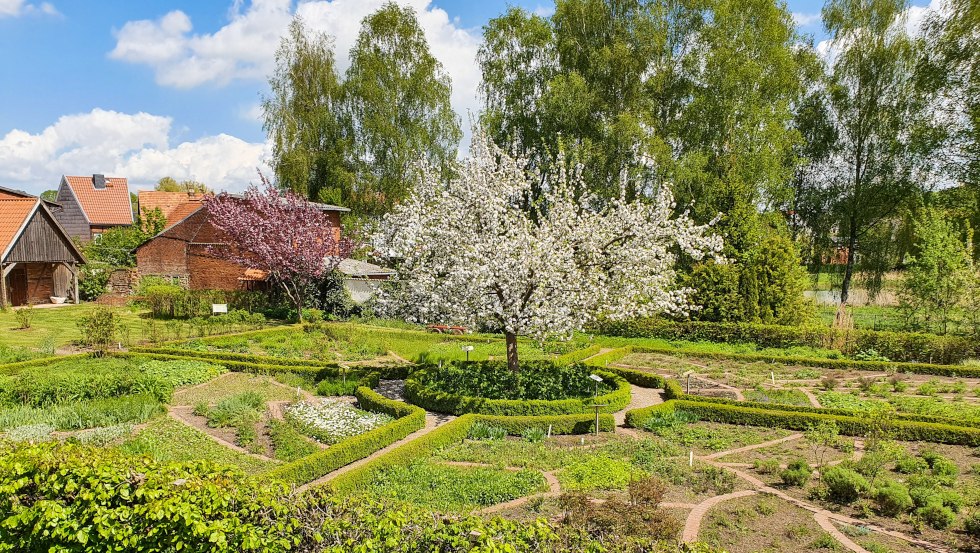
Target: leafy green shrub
x: 797, y: 473
x: 597, y: 472
x: 936, y: 516
x: 972, y: 525
x: 893, y: 498
x: 25, y: 316
x: 870, y: 355
x: 534, y: 434
x: 100, y: 328
x: 483, y: 431
x: 766, y: 466
x: 712, y: 479
x: 844, y: 485
x: 181, y: 373
x: 910, y: 464
x: 492, y: 380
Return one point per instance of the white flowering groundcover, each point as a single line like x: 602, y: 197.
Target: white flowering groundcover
x: 329, y: 421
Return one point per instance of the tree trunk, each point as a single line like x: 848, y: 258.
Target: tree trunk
x: 845, y: 286
x: 512, y: 363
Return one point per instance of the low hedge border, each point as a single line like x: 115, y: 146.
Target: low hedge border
x: 318, y: 373
x: 900, y: 346
x: 442, y: 402
x: 408, y: 419
x: 456, y: 431
x: 797, y: 420
x: 17, y: 366
x: 578, y: 355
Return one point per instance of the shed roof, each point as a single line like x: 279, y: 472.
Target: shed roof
x: 356, y: 268
x: 105, y: 206
x: 14, y: 214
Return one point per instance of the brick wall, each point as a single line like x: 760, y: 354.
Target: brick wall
x: 210, y: 273
x: 163, y: 256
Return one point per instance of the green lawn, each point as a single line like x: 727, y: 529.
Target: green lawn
x: 56, y: 327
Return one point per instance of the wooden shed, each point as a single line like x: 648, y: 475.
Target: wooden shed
x: 38, y: 260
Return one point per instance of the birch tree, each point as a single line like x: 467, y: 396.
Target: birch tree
x: 470, y: 251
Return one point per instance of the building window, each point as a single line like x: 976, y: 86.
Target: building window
x: 96, y: 237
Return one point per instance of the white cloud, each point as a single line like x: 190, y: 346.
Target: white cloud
x: 916, y: 15
x: 244, y: 48
x: 14, y: 8
x: 806, y: 19
x: 136, y: 146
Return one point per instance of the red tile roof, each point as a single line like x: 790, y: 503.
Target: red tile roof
x: 109, y: 206
x: 169, y: 202
x: 182, y: 211
x: 13, y: 214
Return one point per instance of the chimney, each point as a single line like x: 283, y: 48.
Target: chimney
x: 98, y: 180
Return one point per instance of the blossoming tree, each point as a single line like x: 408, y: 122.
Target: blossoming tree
x: 279, y: 232
x: 482, y: 249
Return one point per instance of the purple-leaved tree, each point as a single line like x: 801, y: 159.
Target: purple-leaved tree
x: 279, y: 232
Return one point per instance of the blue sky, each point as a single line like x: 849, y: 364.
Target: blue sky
x: 150, y: 88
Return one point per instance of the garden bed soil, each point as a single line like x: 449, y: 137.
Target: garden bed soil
x: 761, y: 523
x: 226, y: 436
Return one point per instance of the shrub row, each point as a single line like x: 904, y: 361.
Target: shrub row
x: 443, y: 402
x: 240, y: 357
x: 796, y: 420
x: 899, y: 346
x: 408, y: 419
x: 578, y: 355
x: 315, y: 372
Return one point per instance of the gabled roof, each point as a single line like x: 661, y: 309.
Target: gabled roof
x: 14, y: 215
x: 9, y: 193
x: 106, y: 206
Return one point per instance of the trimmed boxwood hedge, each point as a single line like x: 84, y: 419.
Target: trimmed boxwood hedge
x: 898, y: 346
x: 442, y: 402
x: 796, y: 420
x: 408, y: 419
x: 560, y: 424
x: 14, y: 368
x: 578, y: 355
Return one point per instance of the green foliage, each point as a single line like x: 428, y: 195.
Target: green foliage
x: 534, y: 434
x: 483, y: 431
x: 797, y: 473
x: 844, y: 485
x: 288, y: 443
x: 444, y: 389
x: 100, y: 328
x: 93, y: 278
x: 76, y: 415
x: 337, y: 387
x: 892, y: 498
x: 938, y: 276
x: 115, y: 247
x: 97, y: 500
x: 936, y: 516
x: 454, y: 489
x: 24, y: 316
x: 597, y: 473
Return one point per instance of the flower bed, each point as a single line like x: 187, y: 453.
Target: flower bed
x: 330, y: 421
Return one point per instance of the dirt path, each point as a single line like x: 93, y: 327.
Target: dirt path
x: 777, y: 441
x: 639, y: 398
x: 432, y: 421
x: 694, y: 518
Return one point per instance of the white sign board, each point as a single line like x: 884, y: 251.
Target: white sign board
x: 219, y: 308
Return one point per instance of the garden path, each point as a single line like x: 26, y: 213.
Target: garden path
x: 693, y: 524
x: 184, y: 416
x: 818, y: 511
x: 639, y: 398
x: 432, y: 421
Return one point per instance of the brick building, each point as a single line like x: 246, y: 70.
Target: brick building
x: 38, y: 260
x: 90, y: 205
x: 181, y: 253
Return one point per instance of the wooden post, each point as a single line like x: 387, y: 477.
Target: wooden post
x: 3, y: 288
x: 74, y: 281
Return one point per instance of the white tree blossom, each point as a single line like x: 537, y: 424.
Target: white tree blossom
x: 479, y: 250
